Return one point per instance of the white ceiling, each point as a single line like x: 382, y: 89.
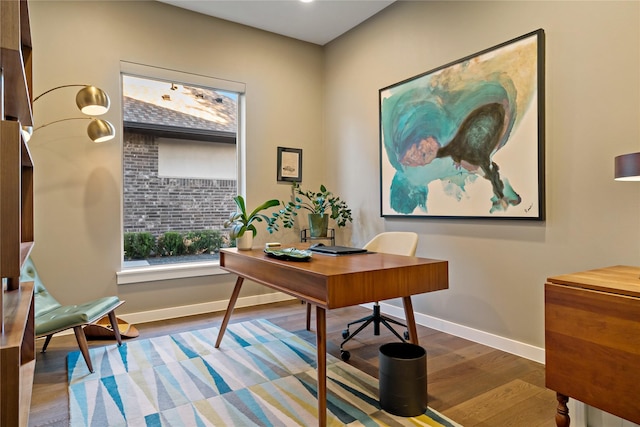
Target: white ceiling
x: 317, y: 22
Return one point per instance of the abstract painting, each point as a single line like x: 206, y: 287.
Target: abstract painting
x: 466, y: 140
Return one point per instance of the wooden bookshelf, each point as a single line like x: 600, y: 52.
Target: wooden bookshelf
x: 17, y: 356
x: 17, y: 328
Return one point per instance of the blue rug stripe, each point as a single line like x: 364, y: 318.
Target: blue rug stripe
x: 332, y: 405
x: 186, y: 350
x: 150, y: 351
x: 243, y: 399
x: 274, y: 389
x: 269, y: 360
x: 208, y: 337
x: 72, y: 361
x: 436, y: 417
x: 153, y: 420
x: 163, y: 396
x: 99, y: 409
x: 79, y: 395
x: 362, y: 396
x: 199, y: 421
x: 309, y: 359
x: 172, y: 384
x: 221, y: 384
x: 111, y: 386
x: 124, y: 356
x: 105, y: 364
x: 205, y: 388
x: 265, y: 366
x: 237, y: 338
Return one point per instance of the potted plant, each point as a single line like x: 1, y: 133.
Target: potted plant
x: 321, y: 205
x: 240, y: 222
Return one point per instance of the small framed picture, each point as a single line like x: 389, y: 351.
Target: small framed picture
x: 289, y: 164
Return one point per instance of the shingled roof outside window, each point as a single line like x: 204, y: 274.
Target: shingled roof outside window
x: 178, y: 111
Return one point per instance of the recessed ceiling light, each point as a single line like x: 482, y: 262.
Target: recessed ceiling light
x: 306, y: 1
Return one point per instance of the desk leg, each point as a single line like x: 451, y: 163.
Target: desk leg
x: 308, y: 304
x: 321, y: 345
x: 562, y: 413
x: 227, y: 314
x: 411, y: 320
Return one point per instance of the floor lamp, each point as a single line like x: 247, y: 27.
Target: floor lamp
x: 91, y: 101
x: 627, y: 167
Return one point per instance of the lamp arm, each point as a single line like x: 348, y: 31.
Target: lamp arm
x: 55, y: 88
x: 61, y: 120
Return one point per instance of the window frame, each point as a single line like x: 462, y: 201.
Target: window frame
x: 132, y: 275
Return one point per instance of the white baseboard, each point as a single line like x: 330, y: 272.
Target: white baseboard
x: 202, y: 308
x: 505, y: 344
x: 195, y: 309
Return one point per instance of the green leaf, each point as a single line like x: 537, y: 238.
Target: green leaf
x: 266, y: 205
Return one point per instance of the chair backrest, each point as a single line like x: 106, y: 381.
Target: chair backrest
x: 44, y: 301
x: 394, y: 242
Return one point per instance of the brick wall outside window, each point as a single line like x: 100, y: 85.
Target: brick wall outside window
x: 159, y: 204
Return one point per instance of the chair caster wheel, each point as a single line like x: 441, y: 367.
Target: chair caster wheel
x: 406, y: 335
x: 345, y: 333
x: 345, y: 355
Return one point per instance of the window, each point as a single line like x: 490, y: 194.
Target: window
x: 180, y: 168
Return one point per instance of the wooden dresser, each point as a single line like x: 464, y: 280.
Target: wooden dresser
x: 592, y: 340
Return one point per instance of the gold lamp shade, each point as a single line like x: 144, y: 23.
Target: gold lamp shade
x: 627, y: 167
x: 100, y: 130
x: 92, y: 101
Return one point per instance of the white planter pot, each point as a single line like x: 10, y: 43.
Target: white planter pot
x: 245, y: 242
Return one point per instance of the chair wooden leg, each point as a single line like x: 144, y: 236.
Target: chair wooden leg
x: 114, y: 325
x: 84, y: 347
x: 46, y: 342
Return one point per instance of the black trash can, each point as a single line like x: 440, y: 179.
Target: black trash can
x: 403, y: 379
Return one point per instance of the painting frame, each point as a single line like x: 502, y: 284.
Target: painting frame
x: 466, y: 140
x: 289, y: 164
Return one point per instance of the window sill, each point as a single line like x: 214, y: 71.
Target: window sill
x: 167, y: 272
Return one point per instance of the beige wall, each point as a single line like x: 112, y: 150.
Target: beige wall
x: 301, y: 95
x: 498, y: 268
x: 78, y: 184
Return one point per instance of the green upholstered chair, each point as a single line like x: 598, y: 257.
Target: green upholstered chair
x: 52, y: 317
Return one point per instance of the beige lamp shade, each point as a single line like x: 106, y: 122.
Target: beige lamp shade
x: 92, y: 101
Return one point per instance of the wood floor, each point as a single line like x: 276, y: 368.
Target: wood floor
x: 470, y: 383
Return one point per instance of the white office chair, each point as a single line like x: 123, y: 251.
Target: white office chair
x: 392, y: 242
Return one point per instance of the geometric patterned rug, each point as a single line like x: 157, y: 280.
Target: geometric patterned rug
x: 261, y: 375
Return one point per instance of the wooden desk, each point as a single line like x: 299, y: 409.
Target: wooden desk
x: 592, y: 340
x: 332, y: 282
